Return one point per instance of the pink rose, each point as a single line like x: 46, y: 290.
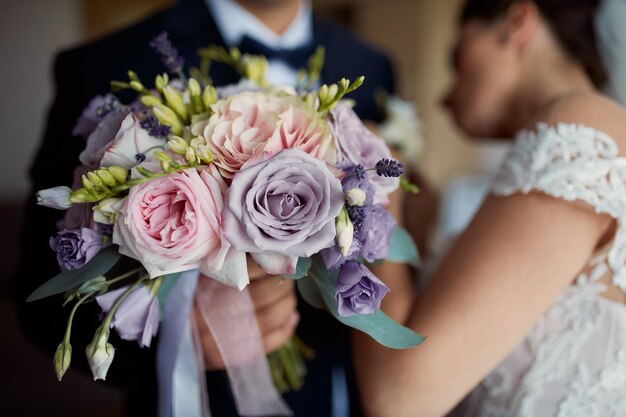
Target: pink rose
x: 248, y: 124
x: 358, y: 145
x: 238, y: 129
x: 301, y: 127
x: 173, y: 224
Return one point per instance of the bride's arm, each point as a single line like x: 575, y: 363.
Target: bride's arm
x: 515, y: 258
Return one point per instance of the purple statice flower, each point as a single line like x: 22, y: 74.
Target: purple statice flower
x: 358, y: 290
x: 389, y: 168
x: 74, y: 248
x: 169, y: 55
x: 97, y: 109
x: 137, y: 317
x: 151, y: 124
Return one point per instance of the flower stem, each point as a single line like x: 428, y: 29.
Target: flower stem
x: 123, y: 276
x: 287, y: 364
x: 68, y: 328
x: 106, y: 323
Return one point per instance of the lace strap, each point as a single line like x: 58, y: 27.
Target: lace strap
x: 571, y: 162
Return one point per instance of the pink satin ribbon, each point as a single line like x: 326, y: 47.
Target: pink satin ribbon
x: 230, y: 317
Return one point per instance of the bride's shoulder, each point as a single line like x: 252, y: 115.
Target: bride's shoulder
x: 586, y: 112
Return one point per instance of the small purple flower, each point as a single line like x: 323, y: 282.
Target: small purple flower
x: 154, y: 128
x: 169, y: 55
x: 375, y: 235
x: 76, y: 247
x: 358, y: 290
x: 389, y: 168
x: 137, y: 318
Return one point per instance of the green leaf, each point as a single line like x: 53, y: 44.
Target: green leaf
x: 402, y: 249
x: 67, y: 280
x: 378, y: 325
x: 309, y: 290
x: 302, y: 268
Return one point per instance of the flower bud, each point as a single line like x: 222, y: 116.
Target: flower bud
x: 119, y: 173
x: 161, y: 81
x: 58, y: 198
x: 167, y: 117
x: 194, y: 87
x: 178, y: 145
x: 209, y: 96
x: 100, y: 354
x: 62, y: 359
x: 81, y: 196
x: 355, y: 197
x: 104, y: 212
x: 150, y: 101
x: 190, y: 156
x: 98, y: 284
x: 175, y: 101
x: 137, y: 86
x: 107, y: 178
x: 345, y: 231
x: 332, y: 91
x: 95, y: 180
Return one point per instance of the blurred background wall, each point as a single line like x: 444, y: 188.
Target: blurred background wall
x: 416, y: 34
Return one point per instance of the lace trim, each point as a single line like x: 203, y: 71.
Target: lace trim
x: 572, y: 162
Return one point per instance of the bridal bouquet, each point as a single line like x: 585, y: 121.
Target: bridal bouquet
x: 192, y: 181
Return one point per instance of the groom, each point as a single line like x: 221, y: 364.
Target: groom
x: 286, y: 32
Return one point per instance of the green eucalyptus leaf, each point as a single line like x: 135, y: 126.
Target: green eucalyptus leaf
x: 310, y: 291
x: 67, y: 280
x: 402, y: 249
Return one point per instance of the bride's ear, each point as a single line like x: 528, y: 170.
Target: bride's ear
x: 520, y: 23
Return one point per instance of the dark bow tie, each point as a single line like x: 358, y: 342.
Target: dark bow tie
x: 296, y: 58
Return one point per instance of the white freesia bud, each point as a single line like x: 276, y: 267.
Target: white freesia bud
x: 355, y: 197
x: 345, y: 231
x: 100, y: 354
x: 105, y: 212
x: 175, y: 101
x: 57, y: 198
x: 62, y: 359
x: 177, y: 145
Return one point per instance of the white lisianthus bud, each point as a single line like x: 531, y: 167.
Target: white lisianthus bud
x: 105, y: 211
x: 62, y: 359
x: 57, y: 198
x: 345, y: 231
x: 355, y: 197
x: 100, y: 354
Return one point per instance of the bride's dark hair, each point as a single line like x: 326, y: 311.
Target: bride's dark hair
x: 571, y: 21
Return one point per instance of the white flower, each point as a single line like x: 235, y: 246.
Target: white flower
x: 100, y: 354
x: 403, y: 129
x: 57, y: 198
x: 345, y: 231
x: 105, y: 211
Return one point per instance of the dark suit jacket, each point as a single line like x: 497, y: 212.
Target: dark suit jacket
x: 86, y: 71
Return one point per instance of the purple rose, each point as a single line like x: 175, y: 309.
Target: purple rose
x: 358, y: 290
x: 282, y: 208
x: 76, y: 247
x: 358, y: 145
x: 137, y: 317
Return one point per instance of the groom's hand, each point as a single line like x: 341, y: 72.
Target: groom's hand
x: 275, y: 304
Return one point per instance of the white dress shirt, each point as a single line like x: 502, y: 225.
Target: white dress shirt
x: 234, y: 22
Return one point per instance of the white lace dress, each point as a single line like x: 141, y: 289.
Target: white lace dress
x: 573, y: 362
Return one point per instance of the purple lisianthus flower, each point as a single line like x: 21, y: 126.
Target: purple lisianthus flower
x: 358, y: 290
x: 97, y: 109
x: 74, y: 248
x: 375, y: 234
x: 137, y: 317
x: 358, y: 145
x: 282, y: 208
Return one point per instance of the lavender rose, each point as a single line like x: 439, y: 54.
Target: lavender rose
x: 359, y: 291
x: 282, y: 208
x: 137, y: 317
x: 76, y: 247
x: 97, y: 109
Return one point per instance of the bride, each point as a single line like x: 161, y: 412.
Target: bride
x: 526, y: 314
